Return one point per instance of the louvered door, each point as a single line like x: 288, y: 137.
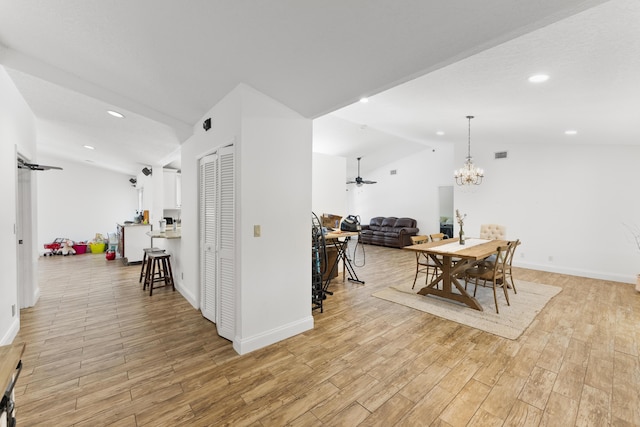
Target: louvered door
x: 217, y: 225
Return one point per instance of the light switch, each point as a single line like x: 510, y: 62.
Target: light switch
x: 256, y: 231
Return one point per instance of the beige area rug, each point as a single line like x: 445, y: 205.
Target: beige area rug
x: 512, y: 321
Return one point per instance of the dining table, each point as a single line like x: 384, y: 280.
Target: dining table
x: 452, y: 259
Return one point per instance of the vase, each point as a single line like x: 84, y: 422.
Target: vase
x: 461, y: 240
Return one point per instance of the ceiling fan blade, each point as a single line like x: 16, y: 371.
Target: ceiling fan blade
x: 369, y: 182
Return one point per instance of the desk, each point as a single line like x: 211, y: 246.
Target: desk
x: 10, y: 367
x: 442, y: 253
x: 334, y: 238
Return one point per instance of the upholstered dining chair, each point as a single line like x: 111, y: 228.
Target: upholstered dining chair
x: 493, y: 232
x: 494, y: 273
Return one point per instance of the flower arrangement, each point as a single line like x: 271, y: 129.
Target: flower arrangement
x: 460, y: 219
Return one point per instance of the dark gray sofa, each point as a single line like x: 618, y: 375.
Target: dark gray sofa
x: 389, y: 231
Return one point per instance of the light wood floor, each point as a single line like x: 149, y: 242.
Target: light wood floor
x: 100, y: 351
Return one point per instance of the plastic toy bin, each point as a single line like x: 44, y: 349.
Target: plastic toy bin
x: 97, y: 247
x: 80, y: 248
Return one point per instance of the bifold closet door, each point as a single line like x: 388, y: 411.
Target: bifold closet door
x: 217, y: 244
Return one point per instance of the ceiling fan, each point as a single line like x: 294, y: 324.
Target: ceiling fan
x: 35, y: 167
x: 359, y: 181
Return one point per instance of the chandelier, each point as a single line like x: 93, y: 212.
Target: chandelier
x: 469, y: 174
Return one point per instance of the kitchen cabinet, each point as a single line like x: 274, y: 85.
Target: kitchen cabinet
x: 132, y: 240
x: 172, y: 189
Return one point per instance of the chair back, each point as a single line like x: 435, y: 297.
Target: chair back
x: 436, y: 236
x: 493, y: 232
x: 512, y: 250
x: 499, y: 267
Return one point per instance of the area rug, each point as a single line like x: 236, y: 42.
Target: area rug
x: 512, y: 321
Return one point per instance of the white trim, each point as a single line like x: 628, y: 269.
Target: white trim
x: 243, y: 346
x: 624, y: 278
x: 12, y: 332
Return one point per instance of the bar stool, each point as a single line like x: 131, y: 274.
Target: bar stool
x: 144, y: 260
x: 161, y: 261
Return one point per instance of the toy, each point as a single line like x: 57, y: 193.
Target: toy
x: 67, y: 248
x: 53, y: 247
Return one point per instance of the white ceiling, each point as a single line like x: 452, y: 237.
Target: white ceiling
x: 165, y: 63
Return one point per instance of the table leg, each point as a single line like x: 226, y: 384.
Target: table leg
x: 448, y: 278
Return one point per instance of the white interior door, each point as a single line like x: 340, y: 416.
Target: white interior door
x: 24, y: 240
x: 217, y: 231
x: 208, y: 235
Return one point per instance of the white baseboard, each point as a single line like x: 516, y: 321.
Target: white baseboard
x: 246, y: 345
x: 624, y: 278
x: 11, y: 333
x: 188, y: 296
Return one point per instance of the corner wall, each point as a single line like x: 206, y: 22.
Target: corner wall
x: 273, y: 190
x: 17, y: 133
x: 566, y: 203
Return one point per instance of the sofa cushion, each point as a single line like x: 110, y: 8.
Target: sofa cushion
x: 405, y: 222
x: 389, y: 222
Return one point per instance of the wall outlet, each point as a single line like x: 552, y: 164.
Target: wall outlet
x: 550, y: 258
x: 256, y: 231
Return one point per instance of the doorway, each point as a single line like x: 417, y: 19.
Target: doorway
x: 445, y: 195
x: 25, y: 232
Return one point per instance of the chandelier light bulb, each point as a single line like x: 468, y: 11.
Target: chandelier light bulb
x: 469, y: 174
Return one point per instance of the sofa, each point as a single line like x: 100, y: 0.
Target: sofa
x: 389, y: 231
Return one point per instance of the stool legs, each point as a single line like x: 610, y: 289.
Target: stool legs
x: 162, y: 263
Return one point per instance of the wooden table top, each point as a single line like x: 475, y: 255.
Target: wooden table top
x: 338, y: 234
x: 476, y: 252
x: 10, y: 355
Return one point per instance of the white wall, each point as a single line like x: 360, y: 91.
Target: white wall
x: 81, y: 200
x: 273, y: 164
x: 17, y: 133
x: 412, y: 192
x: 567, y: 202
x: 329, y: 174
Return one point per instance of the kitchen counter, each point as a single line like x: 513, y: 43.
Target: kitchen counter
x: 169, y: 234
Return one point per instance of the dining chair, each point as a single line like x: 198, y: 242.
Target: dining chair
x: 493, y: 232
x: 494, y: 273
x: 423, y: 263
x: 507, y: 267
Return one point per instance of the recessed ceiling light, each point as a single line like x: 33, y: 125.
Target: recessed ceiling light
x: 88, y: 147
x: 116, y: 114
x: 364, y: 99
x: 440, y: 133
x: 570, y: 132
x: 538, y: 78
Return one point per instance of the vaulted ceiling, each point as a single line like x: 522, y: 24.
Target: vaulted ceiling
x: 163, y: 64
